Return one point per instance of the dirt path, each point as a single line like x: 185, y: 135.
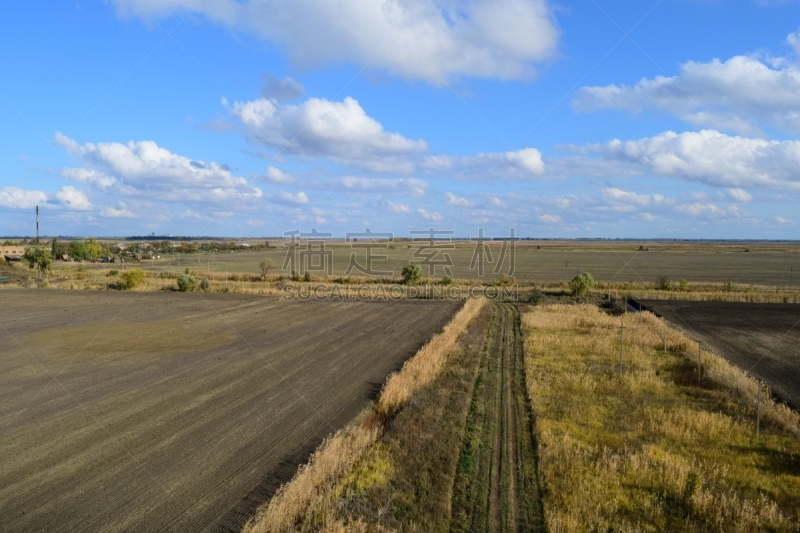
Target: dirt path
x: 496, y: 489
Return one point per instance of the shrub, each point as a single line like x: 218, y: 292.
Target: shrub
x: 204, y: 284
x: 131, y: 279
x: 447, y: 280
x: 112, y: 273
x: 186, y: 283
x: 37, y: 256
x: 536, y: 297
x: 307, y: 276
x: 266, y: 265
x: 412, y: 273
x: 683, y: 284
x: 663, y: 283
x: 581, y: 284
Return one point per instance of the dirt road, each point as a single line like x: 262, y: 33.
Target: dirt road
x: 179, y: 412
x: 762, y: 339
x: 496, y: 488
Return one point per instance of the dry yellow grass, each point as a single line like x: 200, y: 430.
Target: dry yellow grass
x: 652, y: 451
x: 306, y: 503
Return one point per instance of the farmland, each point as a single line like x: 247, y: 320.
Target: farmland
x: 762, y: 339
x: 772, y: 265
x: 135, y: 411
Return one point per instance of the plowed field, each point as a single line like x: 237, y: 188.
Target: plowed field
x: 179, y: 412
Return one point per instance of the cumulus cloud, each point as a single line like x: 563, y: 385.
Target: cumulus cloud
x: 113, y: 212
x: 550, y: 219
x: 15, y: 198
x: 740, y: 94
x: 404, y: 186
x: 276, y: 175
x: 458, y: 201
x: 281, y: 89
x: 145, y: 170
x: 340, y: 131
x: 793, y: 40
x: 73, y: 199
x: 398, y: 208
x: 285, y: 197
x: 739, y: 195
x: 429, y: 215
x: 523, y: 164
x: 501, y: 39
x: 710, y: 157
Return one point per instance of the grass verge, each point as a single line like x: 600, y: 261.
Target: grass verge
x: 309, y: 502
x: 654, y: 449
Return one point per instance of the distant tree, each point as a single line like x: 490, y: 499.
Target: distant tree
x: 56, y: 249
x: 204, y: 284
x: 130, y: 279
x: 447, y: 280
x: 266, y: 265
x: 39, y: 257
x: 412, y: 273
x: 581, y: 284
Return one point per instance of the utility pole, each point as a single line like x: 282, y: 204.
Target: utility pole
x: 665, y: 335
x: 566, y: 264
x: 37, y: 225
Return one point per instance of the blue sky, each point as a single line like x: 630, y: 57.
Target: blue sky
x: 655, y: 119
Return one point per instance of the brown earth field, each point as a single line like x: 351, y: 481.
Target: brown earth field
x: 762, y: 339
x: 180, y: 412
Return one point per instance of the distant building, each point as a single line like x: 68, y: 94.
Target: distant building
x: 12, y: 253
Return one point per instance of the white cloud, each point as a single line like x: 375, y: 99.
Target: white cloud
x: 430, y: 215
x: 739, y: 195
x: 145, y: 170
x: 404, y: 186
x: 452, y: 199
x: 711, y: 157
x: 740, y: 94
x: 276, y: 175
x: 550, y: 219
x: 73, y: 199
x: 398, y: 208
x: 793, y: 40
x: 613, y: 195
x: 299, y: 198
x: 436, y: 41
x: 113, y: 212
x: 341, y: 131
x: 497, y: 202
x: 16, y: 198
x: 523, y: 164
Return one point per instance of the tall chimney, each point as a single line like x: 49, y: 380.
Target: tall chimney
x: 37, y: 224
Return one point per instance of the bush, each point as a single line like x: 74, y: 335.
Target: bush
x: 663, y: 283
x: 536, y: 297
x: 131, y: 279
x: 683, y: 284
x: 204, y: 284
x: 412, y: 273
x: 266, y: 265
x: 307, y: 276
x: 186, y: 283
x: 581, y: 284
x: 112, y: 273
x: 37, y: 256
x: 447, y: 280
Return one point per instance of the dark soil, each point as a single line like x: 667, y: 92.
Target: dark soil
x: 179, y: 412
